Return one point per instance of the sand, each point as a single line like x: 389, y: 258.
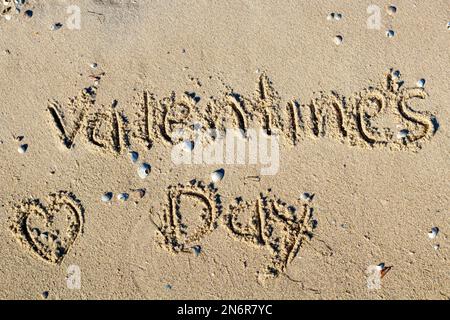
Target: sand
x: 105, y: 111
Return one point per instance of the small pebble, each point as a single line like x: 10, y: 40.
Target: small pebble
x: 134, y: 156
x: 123, y: 196
x: 23, y: 148
x: 421, y: 83
x: 338, y: 39
x: 45, y: 294
x: 390, y: 33
x: 107, y: 197
x: 168, y: 287
x: 402, y: 134
x: 392, y: 10
x: 448, y: 25
x: 217, y: 175
x: 56, y: 26
x: 28, y: 13
x: 436, y: 247
x: 94, y: 65
x: 144, y: 170
x: 433, y: 233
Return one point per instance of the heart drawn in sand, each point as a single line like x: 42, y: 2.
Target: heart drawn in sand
x: 49, y: 231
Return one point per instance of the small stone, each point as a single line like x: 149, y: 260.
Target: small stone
x: 23, y: 148
x: 436, y: 247
x: 94, y: 65
x: 448, y: 25
x: 433, y: 233
x: 123, y: 196
x: 28, y: 13
x: 168, y: 287
x: 107, y: 197
x: 45, y: 294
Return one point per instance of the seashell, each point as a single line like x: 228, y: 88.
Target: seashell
x: 56, y: 26
x: 197, y: 250
x: 134, y: 156
x: 433, y: 233
x: 44, y: 236
x: 23, y: 148
x: 123, y: 196
x: 217, y: 175
x: 391, y: 10
x: 144, y: 170
x: 306, y: 196
x: 107, y: 197
x: 402, y: 134
x: 390, y: 33
x: 421, y: 83
x: 188, y: 146
x: 35, y: 232
x: 93, y: 65
x: 140, y: 193
x: 338, y: 39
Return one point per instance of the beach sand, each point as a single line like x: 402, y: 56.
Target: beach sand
x: 354, y: 201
